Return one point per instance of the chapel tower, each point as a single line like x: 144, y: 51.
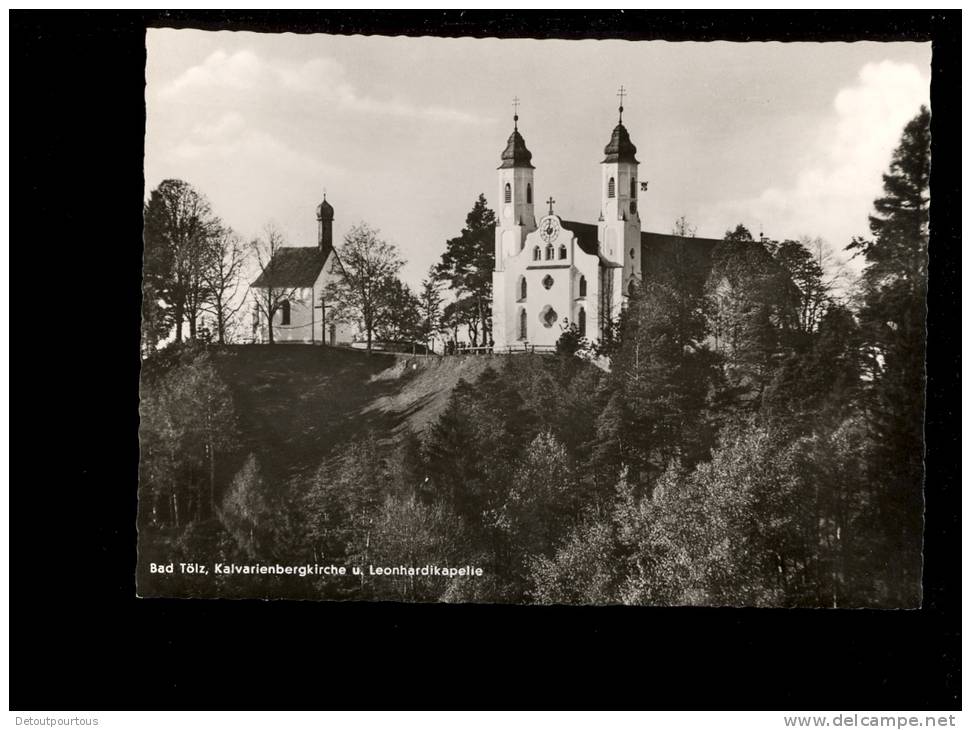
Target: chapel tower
x: 620, y: 222
x: 325, y: 225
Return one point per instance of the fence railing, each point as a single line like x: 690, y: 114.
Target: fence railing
x: 523, y: 348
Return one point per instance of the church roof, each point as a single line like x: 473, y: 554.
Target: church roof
x: 658, y: 250
x: 620, y: 148
x: 292, y: 267
x: 516, y: 154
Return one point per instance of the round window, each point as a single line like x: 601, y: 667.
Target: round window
x: 547, y: 281
x: 548, y: 316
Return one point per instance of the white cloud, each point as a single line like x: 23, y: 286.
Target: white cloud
x: 244, y: 74
x: 834, y: 193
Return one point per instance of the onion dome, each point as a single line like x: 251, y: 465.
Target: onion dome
x: 325, y: 211
x: 516, y: 154
x: 620, y: 148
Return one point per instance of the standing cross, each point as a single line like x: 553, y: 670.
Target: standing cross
x: 550, y: 203
x: 621, y: 94
x: 515, y: 112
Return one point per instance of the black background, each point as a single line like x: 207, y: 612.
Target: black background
x: 81, y: 640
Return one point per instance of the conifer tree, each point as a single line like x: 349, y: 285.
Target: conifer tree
x: 892, y: 320
x: 468, y: 262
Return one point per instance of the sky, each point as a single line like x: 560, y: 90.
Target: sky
x: 404, y: 133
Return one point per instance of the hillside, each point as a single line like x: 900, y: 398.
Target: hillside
x: 295, y: 403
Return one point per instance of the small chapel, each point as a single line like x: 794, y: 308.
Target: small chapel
x: 555, y: 273
x: 295, y: 280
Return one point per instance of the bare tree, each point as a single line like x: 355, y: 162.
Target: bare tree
x: 360, y: 294
x: 222, y: 279
x: 270, y: 297
x: 683, y: 228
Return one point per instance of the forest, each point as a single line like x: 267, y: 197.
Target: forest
x: 755, y: 439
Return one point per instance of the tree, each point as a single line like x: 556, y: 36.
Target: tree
x: 892, y: 313
x: 463, y: 312
x: 753, y: 308
x: 805, y: 271
x: 270, y: 298
x: 571, y: 342
x: 360, y: 293
x: 683, y: 229
x: 188, y: 421
x: 430, y: 307
x: 221, y: 279
x: 468, y: 262
x: 661, y: 374
x: 179, y: 229
x: 584, y: 569
x: 402, y: 319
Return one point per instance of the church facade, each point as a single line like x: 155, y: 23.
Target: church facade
x: 551, y: 273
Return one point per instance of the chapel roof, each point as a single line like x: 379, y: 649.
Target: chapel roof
x: 292, y: 267
x: 325, y: 211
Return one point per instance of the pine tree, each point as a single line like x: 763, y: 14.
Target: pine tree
x: 893, y: 319
x: 468, y: 262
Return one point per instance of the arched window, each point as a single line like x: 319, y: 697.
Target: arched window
x: 633, y: 188
x: 522, y: 287
x: 610, y: 188
x: 285, y: 312
x: 583, y: 286
x: 633, y: 207
x: 549, y: 251
x: 631, y: 288
x: 522, y: 324
x: 529, y: 193
x: 582, y: 322
x: 508, y: 194
x: 537, y: 255
x: 562, y: 252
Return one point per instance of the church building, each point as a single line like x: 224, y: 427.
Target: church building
x: 553, y: 273
x: 293, y: 283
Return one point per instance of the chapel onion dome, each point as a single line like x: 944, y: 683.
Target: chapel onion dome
x: 516, y: 154
x: 620, y: 148
x: 325, y: 211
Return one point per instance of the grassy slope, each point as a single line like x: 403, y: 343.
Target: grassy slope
x: 297, y: 402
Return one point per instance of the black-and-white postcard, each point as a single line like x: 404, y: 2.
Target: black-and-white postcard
x: 533, y: 321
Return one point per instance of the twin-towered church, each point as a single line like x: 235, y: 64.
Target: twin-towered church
x: 557, y: 273
x: 549, y: 274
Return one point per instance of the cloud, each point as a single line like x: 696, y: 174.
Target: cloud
x: 245, y: 76
x: 833, y: 194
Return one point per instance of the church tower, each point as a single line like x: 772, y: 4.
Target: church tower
x: 620, y: 222
x: 516, y: 218
x: 515, y: 221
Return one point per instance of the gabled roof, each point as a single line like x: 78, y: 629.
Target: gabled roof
x: 658, y: 250
x: 292, y: 267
